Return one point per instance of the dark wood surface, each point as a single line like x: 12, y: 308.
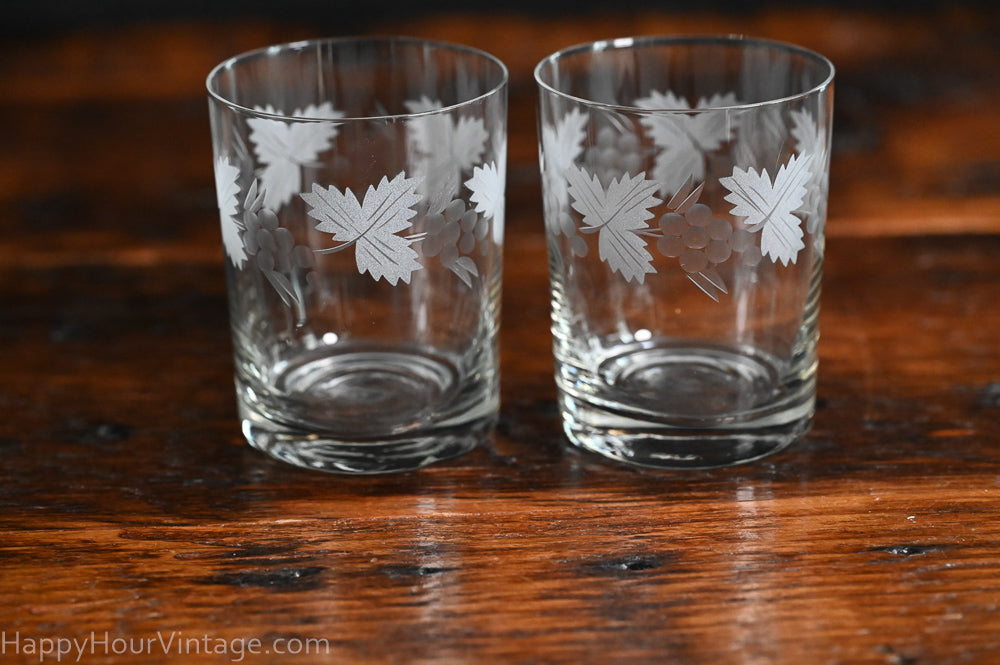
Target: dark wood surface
x: 130, y: 508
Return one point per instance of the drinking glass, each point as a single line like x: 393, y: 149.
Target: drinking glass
x: 685, y: 188
x: 360, y: 185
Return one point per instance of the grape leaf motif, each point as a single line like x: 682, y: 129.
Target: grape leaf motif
x: 768, y: 206
x: 806, y: 133
x: 487, y: 186
x: 444, y: 147
x: 285, y: 147
x: 684, y: 138
x: 227, y: 189
x: 811, y: 140
x: 371, y: 226
x: 619, y: 214
x: 562, y: 143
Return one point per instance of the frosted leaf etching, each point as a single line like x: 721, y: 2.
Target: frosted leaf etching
x: 811, y: 140
x: 684, y: 139
x: 285, y: 147
x: 769, y: 206
x: 562, y: 144
x: 444, y: 146
x: 227, y: 190
x: 770, y: 210
x: 806, y: 133
x: 619, y: 215
x: 371, y: 226
x: 487, y: 186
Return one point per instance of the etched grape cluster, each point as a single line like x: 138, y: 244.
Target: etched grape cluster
x: 273, y: 249
x: 700, y: 242
x: 613, y: 154
x: 452, y: 235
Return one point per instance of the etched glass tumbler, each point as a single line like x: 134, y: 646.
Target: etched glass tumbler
x: 685, y: 186
x: 361, y: 192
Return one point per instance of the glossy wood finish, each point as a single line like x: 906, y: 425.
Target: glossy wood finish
x: 131, y: 509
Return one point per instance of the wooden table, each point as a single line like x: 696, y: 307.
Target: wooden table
x: 135, y: 519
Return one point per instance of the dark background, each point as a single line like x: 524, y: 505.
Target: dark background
x: 24, y: 18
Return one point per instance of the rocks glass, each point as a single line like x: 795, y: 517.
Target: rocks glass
x: 361, y: 192
x: 685, y: 188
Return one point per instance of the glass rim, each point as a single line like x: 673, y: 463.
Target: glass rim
x: 232, y: 62
x: 647, y: 41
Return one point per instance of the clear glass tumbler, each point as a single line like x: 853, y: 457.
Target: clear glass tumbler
x: 685, y: 187
x: 361, y: 193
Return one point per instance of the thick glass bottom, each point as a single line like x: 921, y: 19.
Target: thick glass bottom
x: 685, y: 407
x: 366, y: 410
x: 318, y: 451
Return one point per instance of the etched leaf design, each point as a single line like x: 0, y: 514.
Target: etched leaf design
x: 768, y: 206
x: 441, y: 138
x: 487, y: 185
x: 285, y: 147
x: 684, y: 138
x: 444, y: 147
x: 422, y: 105
x: 371, y: 226
x: 618, y: 214
x: 227, y: 190
x: 562, y: 144
x: 465, y: 268
x: 806, y: 133
x: 468, y: 142
x: 811, y: 140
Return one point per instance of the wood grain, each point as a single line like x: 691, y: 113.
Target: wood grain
x: 131, y: 509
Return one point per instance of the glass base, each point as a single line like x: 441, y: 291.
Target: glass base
x: 317, y: 451
x: 684, y: 407
x: 673, y: 448
x: 366, y: 410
